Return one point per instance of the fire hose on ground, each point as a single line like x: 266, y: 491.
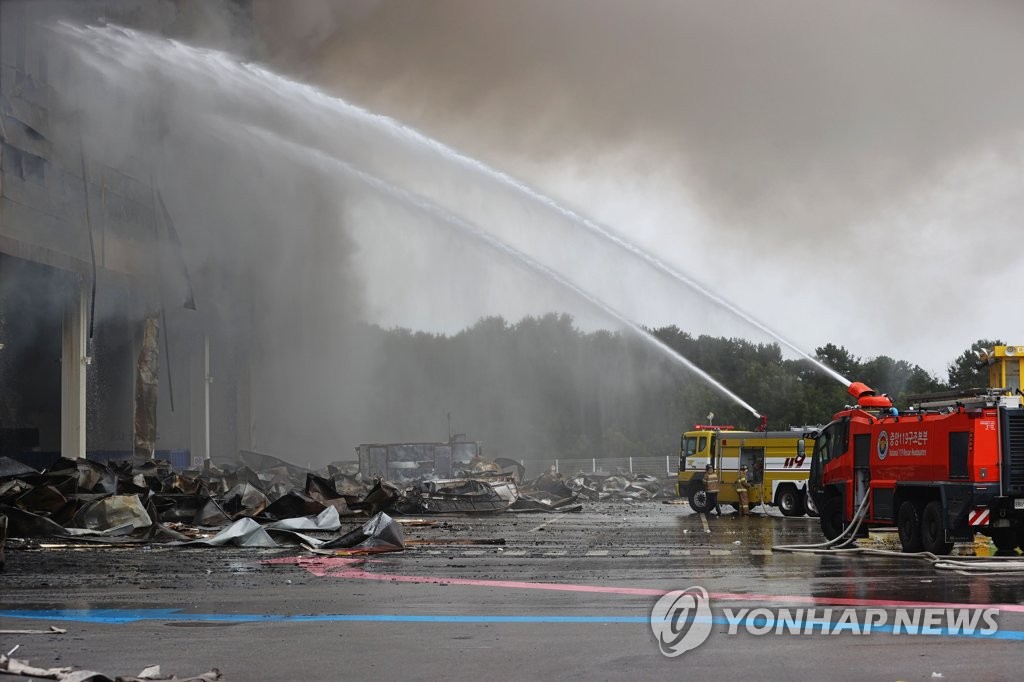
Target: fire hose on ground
x: 966, y: 565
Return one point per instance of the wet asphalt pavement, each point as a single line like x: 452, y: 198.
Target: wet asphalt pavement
x: 567, y: 595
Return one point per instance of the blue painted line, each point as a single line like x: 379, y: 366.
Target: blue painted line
x: 124, y: 616
x: 118, y: 617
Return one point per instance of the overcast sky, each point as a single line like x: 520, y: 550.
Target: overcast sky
x: 847, y: 172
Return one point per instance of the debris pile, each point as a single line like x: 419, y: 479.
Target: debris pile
x: 21, y: 668
x: 598, y: 486
x: 457, y: 495
x: 267, y: 502
x: 264, y: 502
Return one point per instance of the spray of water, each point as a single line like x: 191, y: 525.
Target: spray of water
x: 420, y: 204
x: 128, y: 48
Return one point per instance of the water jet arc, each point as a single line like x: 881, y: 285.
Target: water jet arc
x: 107, y: 40
x: 423, y: 205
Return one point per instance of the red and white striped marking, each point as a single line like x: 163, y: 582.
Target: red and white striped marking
x: 978, y: 517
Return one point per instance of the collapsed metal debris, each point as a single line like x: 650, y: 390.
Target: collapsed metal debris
x: 596, y: 486
x: 267, y: 502
x: 458, y: 495
x: 379, y: 534
x: 21, y: 668
x: 52, y: 630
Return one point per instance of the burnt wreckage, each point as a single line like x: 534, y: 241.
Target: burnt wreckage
x: 267, y: 502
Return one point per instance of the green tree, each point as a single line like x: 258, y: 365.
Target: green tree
x: 897, y: 378
x: 839, y: 359
x: 967, y: 371
x: 540, y: 388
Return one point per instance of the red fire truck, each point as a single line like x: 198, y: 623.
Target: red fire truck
x: 948, y: 467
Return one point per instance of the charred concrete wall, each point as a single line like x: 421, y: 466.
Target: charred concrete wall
x: 72, y: 221
x: 44, y: 197
x: 84, y: 173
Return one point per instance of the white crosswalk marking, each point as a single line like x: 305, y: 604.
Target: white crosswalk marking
x: 721, y: 552
x: 638, y: 552
x: 597, y: 552
x: 679, y: 552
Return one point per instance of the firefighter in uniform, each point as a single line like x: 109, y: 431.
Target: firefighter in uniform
x: 711, y: 485
x: 741, y: 490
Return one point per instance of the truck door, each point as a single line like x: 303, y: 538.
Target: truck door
x: 753, y: 459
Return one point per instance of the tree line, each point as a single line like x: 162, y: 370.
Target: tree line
x: 541, y: 388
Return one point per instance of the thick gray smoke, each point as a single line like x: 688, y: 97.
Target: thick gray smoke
x: 262, y: 241
x: 834, y: 160
x: 826, y: 108
x: 268, y: 239
x: 815, y: 164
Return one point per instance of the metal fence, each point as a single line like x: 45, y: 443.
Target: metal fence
x: 655, y: 466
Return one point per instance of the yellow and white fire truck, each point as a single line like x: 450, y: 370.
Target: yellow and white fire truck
x: 778, y: 464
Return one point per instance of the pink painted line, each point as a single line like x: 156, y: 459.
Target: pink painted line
x: 331, y: 567
x: 337, y: 567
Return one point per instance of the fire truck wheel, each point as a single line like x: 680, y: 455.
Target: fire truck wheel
x: 789, y: 501
x: 698, y: 500
x: 933, y: 537
x: 809, y: 505
x: 1005, y: 539
x: 832, y: 517
x: 908, y: 522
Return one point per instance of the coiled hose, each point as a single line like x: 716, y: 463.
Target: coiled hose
x: 840, y: 544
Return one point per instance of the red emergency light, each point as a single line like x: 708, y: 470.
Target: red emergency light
x: 713, y: 427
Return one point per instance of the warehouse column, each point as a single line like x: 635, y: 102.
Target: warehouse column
x: 199, y: 437
x: 73, y: 366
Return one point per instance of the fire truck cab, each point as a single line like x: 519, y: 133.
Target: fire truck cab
x: 948, y: 467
